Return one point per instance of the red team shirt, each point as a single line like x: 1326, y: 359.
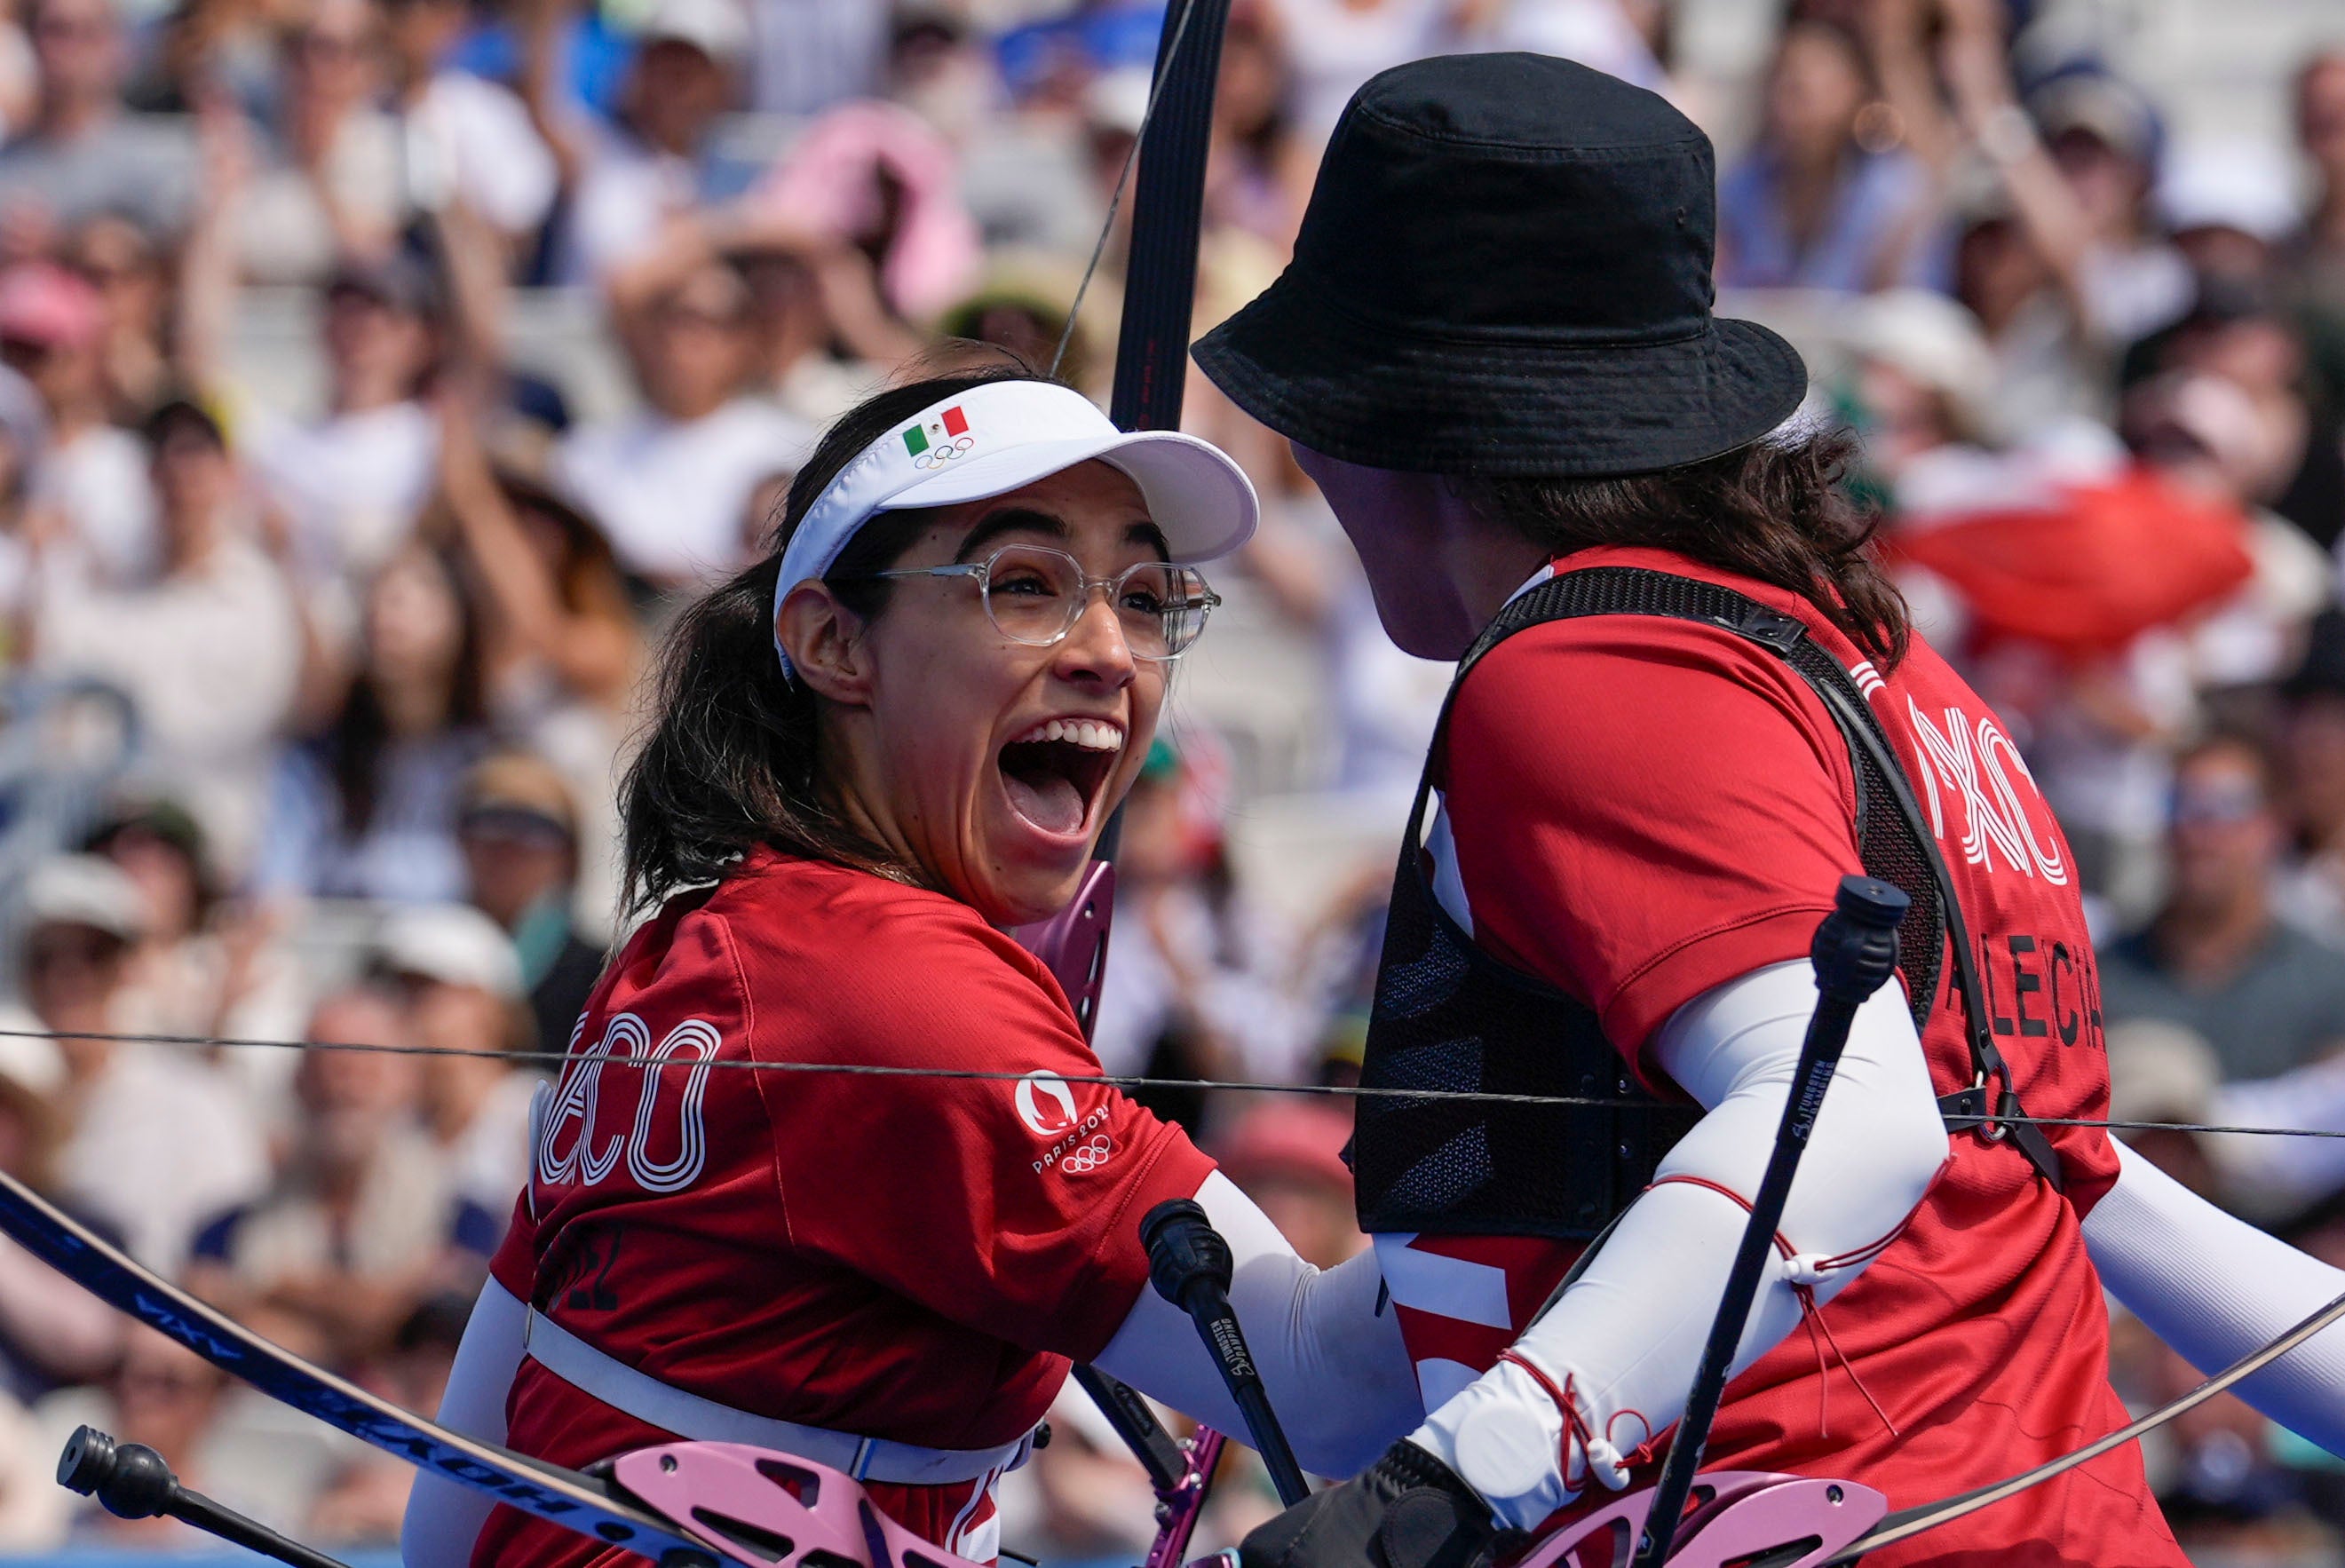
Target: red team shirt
x: 912, y: 1258
x: 1644, y: 808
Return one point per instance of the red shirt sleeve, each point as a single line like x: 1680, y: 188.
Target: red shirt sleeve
x: 1009, y: 1205
x: 1643, y: 809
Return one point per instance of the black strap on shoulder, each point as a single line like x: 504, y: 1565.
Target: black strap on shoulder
x: 1635, y: 591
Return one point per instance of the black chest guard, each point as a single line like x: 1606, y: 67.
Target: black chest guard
x: 1449, y: 1018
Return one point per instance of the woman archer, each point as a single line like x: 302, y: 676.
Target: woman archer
x: 1688, y: 702
x: 898, y: 733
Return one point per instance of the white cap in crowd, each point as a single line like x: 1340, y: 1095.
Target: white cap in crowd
x: 85, y: 890
x: 454, y: 945
x: 1934, y: 342
x: 2247, y: 185
x: 2160, y: 1071
x: 714, y: 27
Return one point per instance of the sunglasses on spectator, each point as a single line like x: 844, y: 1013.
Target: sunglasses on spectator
x: 2215, y: 803
x: 514, y: 826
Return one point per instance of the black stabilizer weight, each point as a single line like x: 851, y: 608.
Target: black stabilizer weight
x: 130, y: 1480
x: 133, y: 1482
x: 1855, y: 950
x: 1185, y: 1253
x: 1189, y: 1263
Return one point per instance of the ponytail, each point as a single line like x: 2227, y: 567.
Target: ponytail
x: 730, y: 761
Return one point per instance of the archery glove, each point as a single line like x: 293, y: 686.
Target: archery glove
x: 1408, y: 1509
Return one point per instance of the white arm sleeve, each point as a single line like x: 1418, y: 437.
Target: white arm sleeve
x: 443, y: 1519
x: 1625, y: 1337
x: 1333, y: 1364
x: 2216, y: 1288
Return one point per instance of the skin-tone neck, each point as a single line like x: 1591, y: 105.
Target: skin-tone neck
x: 416, y: 707
x: 192, y: 540
x: 65, y: 115
x: 1440, y: 572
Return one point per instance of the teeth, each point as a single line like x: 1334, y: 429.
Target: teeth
x: 1091, y: 735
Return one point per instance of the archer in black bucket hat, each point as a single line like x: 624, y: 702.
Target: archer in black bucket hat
x: 1506, y: 269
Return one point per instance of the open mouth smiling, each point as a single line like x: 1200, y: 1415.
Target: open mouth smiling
x: 1055, y: 772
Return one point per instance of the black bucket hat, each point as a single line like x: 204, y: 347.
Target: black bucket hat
x: 1504, y: 270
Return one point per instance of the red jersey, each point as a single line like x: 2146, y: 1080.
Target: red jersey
x: 906, y: 1257
x: 1638, y: 809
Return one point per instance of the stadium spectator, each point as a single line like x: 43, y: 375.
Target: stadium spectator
x: 1203, y: 987
x: 519, y: 830
x: 461, y: 982
x: 2216, y: 956
x: 466, y: 138
x: 208, y: 651
x: 651, y: 166
x: 52, y: 1333
x: 124, y: 264
x: 362, y: 1504
x: 670, y: 480
x: 328, y: 182
x: 171, y: 1400
x: 366, y: 809
x: 81, y: 154
x: 2284, y: 451
x: 353, y: 1231
x: 564, y: 641
x: 205, y: 965
x: 873, y: 177
x: 351, y: 482
x: 89, y: 473
x: 1825, y: 199
x: 153, y: 1144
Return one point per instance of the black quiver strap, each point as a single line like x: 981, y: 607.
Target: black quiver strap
x: 1897, y: 844
x: 1528, y: 1121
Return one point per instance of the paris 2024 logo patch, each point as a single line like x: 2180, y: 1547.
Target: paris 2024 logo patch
x: 1079, y: 1141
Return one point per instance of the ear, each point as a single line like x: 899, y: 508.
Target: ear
x: 824, y: 640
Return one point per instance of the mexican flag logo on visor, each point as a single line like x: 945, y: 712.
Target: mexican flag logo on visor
x: 941, y: 440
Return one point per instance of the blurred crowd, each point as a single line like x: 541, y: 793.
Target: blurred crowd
x: 376, y: 376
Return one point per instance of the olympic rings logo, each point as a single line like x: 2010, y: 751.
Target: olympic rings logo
x: 944, y: 452
x: 1090, y: 1156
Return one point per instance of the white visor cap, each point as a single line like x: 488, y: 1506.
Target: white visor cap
x: 1002, y: 436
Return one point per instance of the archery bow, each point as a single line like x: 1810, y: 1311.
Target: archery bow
x: 1911, y: 1522
x: 559, y: 1496
x: 1152, y: 362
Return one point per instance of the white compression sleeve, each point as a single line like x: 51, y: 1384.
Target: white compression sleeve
x: 444, y: 1519
x: 1625, y: 1337
x: 2216, y: 1288
x: 1334, y: 1368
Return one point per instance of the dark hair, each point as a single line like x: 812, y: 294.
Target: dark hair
x: 359, y: 735
x: 1773, y: 510
x: 728, y: 761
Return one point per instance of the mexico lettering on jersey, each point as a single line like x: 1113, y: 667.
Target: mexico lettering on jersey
x: 1638, y: 809
x: 905, y: 1257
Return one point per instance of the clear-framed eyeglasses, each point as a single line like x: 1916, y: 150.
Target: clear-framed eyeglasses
x: 1034, y: 595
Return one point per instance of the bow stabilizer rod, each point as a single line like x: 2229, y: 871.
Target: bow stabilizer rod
x: 1855, y: 952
